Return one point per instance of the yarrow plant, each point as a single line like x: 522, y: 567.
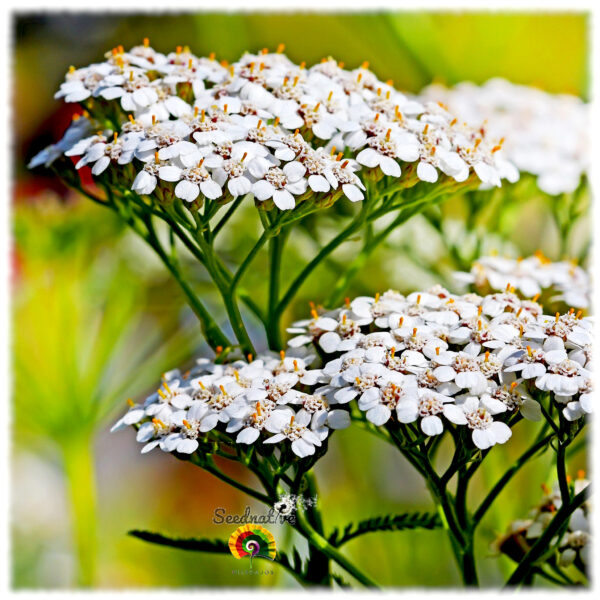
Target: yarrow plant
x: 176, y: 144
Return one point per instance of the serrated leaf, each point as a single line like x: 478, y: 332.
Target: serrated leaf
x: 385, y: 523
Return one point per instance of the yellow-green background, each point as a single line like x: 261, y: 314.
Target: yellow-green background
x: 359, y: 477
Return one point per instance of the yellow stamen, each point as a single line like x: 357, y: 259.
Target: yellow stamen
x: 250, y: 357
x: 222, y: 389
x: 581, y: 474
x: 437, y: 351
x: 146, y: 42
x: 258, y: 409
x: 219, y: 349
x: 161, y: 394
x: 130, y: 402
x: 296, y: 368
x: 282, y: 354
x: 280, y: 48
x: 556, y: 317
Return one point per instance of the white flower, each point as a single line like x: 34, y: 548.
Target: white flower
x: 192, y: 182
x: 485, y: 431
x: 429, y: 406
x: 281, y: 185
x: 286, y: 424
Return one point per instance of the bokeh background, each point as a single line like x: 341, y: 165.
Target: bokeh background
x: 96, y: 320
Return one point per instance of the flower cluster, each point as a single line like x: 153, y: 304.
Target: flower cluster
x: 574, y: 545
x: 545, y: 134
x: 438, y: 358
x: 244, y: 399
x: 192, y: 127
x: 532, y: 276
x: 431, y: 358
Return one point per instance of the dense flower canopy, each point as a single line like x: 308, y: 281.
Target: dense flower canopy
x: 545, y: 134
x: 263, y: 125
x: 431, y: 358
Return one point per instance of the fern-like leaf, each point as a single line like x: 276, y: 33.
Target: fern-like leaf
x: 193, y: 544
x: 385, y: 523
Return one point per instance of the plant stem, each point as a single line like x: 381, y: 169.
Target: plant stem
x: 276, y: 245
x: 541, y: 545
x: 503, y: 481
x: 80, y: 474
x: 213, y: 334
x: 314, y: 263
x: 324, y: 546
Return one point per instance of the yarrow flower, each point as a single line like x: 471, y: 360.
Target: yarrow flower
x: 576, y: 541
x: 531, y: 276
x: 544, y: 134
x: 262, y: 126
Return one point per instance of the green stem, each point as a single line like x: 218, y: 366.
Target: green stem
x: 319, y: 542
x: 209, y: 465
x: 543, y: 542
x: 510, y: 473
x: 213, y: 334
x: 227, y: 215
x: 80, y: 474
x: 314, y: 263
x: 276, y: 245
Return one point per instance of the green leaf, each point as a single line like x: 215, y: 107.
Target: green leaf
x: 193, y: 544
x: 385, y: 523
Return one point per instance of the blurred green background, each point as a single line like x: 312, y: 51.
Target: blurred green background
x: 80, y: 356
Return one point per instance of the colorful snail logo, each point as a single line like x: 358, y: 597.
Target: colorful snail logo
x: 252, y: 540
